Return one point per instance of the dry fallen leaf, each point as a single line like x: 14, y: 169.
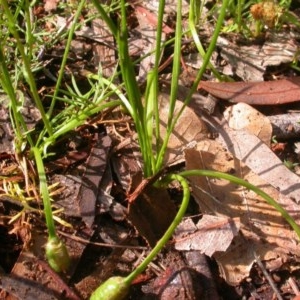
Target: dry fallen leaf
x: 152, y: 213
x: 250, y: 61
x: 209, y: 235
x: 264, y: 232
x: 188, y: 130
x: 243, y: 116
x: 258, y: 157
x: 256, y: 93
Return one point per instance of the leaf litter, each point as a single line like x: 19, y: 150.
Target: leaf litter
x: 236, y: 226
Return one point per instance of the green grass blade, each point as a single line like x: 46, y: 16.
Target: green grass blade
x: 65, y: 56
x: 27, y: 65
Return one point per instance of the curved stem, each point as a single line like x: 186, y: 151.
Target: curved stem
x: 161, y: 243
x: 249, y: 186
x: 192, y: 26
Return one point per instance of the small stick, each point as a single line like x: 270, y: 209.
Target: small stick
x: 268, y: 277
x: 84, y: 241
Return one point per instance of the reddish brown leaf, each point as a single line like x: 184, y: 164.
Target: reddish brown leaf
x: 256, y: 93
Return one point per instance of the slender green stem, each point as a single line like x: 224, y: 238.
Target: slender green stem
x: 8, y: 88
x: 151, y: 115
x: 239, y: 14
x: 65, y: 57
x: 258, y: 27
x: 29, y: 30
x: 18, y: 119
x: 56, y: 251
x: 127, y: 70
x: 106, y: 18
x: 45, y: 193
x: 132, y: 88
x: 176, y: 65
x: 27, y: 68
x: 192, y: 26
x: 160, y: 17
x: 151, y: 111
x: 249, y: 186
x: 209, y: 52
x: 161, y: 243
x: 174, y: 89
x: 151, y: 95
x: 206, y: 60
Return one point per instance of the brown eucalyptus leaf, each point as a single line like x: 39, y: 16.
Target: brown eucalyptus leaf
x: 256, y: 93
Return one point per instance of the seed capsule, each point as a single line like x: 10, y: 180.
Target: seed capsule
x: 114, y: 288
x: 57, y: 255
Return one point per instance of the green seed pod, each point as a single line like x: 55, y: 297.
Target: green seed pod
x: 114, y: 288
x: 57, y: 255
